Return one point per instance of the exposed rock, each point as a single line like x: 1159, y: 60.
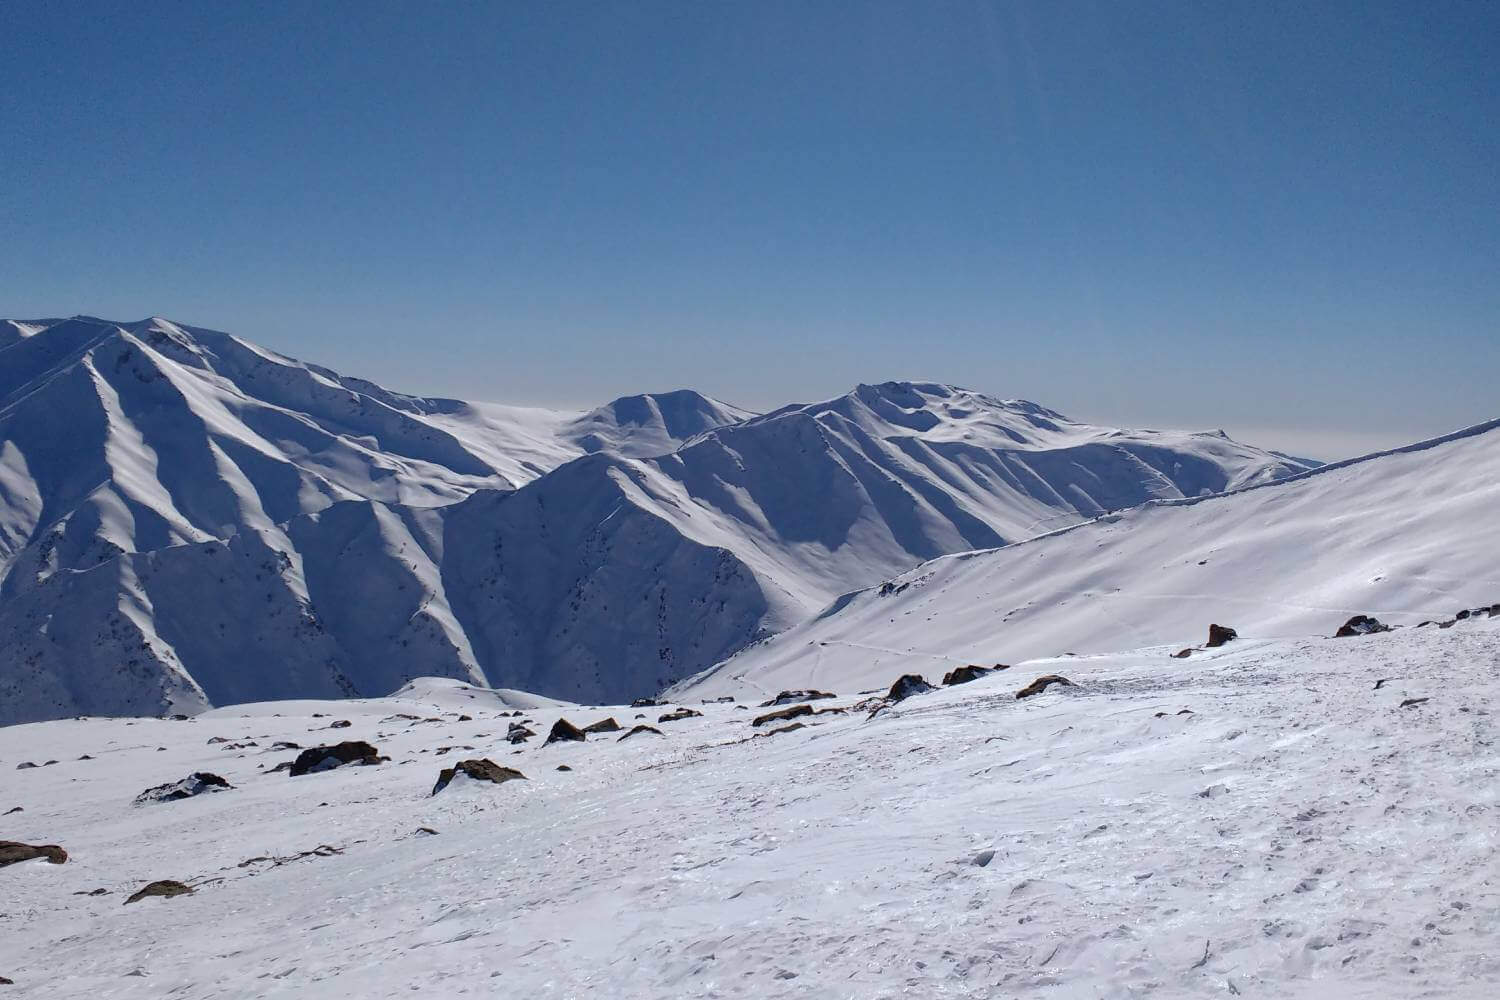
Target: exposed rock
x: 427, y: 830
x: 644, y: 703
x: 194, y: 784
x: 340, y: 724
x: 25, y: 765
x: 603, y: 726
x: 14, y: 809
x: 908, y: 685
x: 1413, y: 702
x: 1381, y: 683
x: 983, y: 858
x: 784, y: 729
x: 518, y: 733
x: 217, y: 739
x: 723, y: 699
x: 965, y: 674
x: 639, y: 729
x: 12, y: 852
x: 285, y: 745
x: 166, y: 888
x: 564, y: 767
x: 1183, y: 654
x: 1360, y: 625
x: 1042, y: 683
x: 285, y: 765
x: 466, y: 718
x: 1218, y: 635
x: 679, y: 714
x: 7, y: 982
x: 315, y: 759
x: 563, y: 730
x: 483, y: 769
x: 784, y: 715
x: 787, y: 697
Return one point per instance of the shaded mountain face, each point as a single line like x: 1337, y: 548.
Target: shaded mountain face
x: 1407, y: 536
x: 187, y: 519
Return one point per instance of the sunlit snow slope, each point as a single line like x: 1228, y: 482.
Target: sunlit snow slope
x: 187, y: 519
x: 1257, y: 821
x: 1405, y: 536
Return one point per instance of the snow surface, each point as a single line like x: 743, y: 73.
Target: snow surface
x: 1258, y: 820
x: 187, y: 520
x: 1404, y: 535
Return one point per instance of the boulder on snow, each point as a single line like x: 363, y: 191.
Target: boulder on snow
x: 518, y: 733
x: 1183, y: 654
x: 908, y: 685
x: 965, y: 674
x: 1360, y: 625
x: 788, y: 697
x: 1042, y: 683
x: 608, y: 725
x: 564, y: 731
x: 315, y: 759
x: 194, y: 784
x: 477, y: 770
x: 679, y: 715
x: 166, y: 888
x: 636, y: 730
x: 782, y: 715
x: 12, y: 852
x: 1218, y: 635
x: 644, y: 703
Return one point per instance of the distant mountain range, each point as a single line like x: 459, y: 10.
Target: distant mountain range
x: 187, y: 520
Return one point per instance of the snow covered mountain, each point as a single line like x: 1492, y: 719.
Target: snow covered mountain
x: 1405, y: 536
x: 190, y: 520
x: 132, y: 437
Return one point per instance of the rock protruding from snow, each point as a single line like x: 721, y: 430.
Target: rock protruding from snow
x: 608, y: 725
x: 165, y: 888
x: 638, y: 730
x: 967, y: 673
x: 1042, y: 683
x: 482, y: 769
x: 12, y: 852
x: 196, y: 783
x: 907, y: 685
x: 1360, y: 625
x: 788, y: 697
x: 677, y: 715
x: 564, y: 731
x: 1218, y: 635
x: 782, y: 715
x: 316, y: 759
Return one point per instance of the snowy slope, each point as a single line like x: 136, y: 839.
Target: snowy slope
x: 130, y: 437
x: 1405, y: 536
x: 607, y: 578
x: 1257, y: 820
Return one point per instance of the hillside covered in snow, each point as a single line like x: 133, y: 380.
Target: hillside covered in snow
x: 189, y: 520
x: 1405, y: 536
x: 1293, y: 818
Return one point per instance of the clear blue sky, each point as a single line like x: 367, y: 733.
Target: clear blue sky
x: 1278, y: 218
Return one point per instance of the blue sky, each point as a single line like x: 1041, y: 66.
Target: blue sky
x: 1279, y: 219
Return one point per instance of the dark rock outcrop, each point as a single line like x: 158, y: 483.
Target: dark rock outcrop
x: 788, y: 697
x: 637, y: 730
x: 603, y: 726
x: 908, y: 685
x: 315, y: 759
x: 166, y: 888
x: 1042, y: 683
x: 965, y: 674
x: 1218, y: 635
x: 645, y: 703
x: 1360, y: 625
x: 194, y: 784
x: 1183, y: 654
x: 518, y: 733
x: 12, y: 852
x: 483, y: 769
x: 679, y: 715
x: 783, y: 715
x: 564, y: 731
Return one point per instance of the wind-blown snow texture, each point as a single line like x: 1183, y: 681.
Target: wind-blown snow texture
x: 187, y: 519
x: 1405, y: 535
x: 1258, y: 820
